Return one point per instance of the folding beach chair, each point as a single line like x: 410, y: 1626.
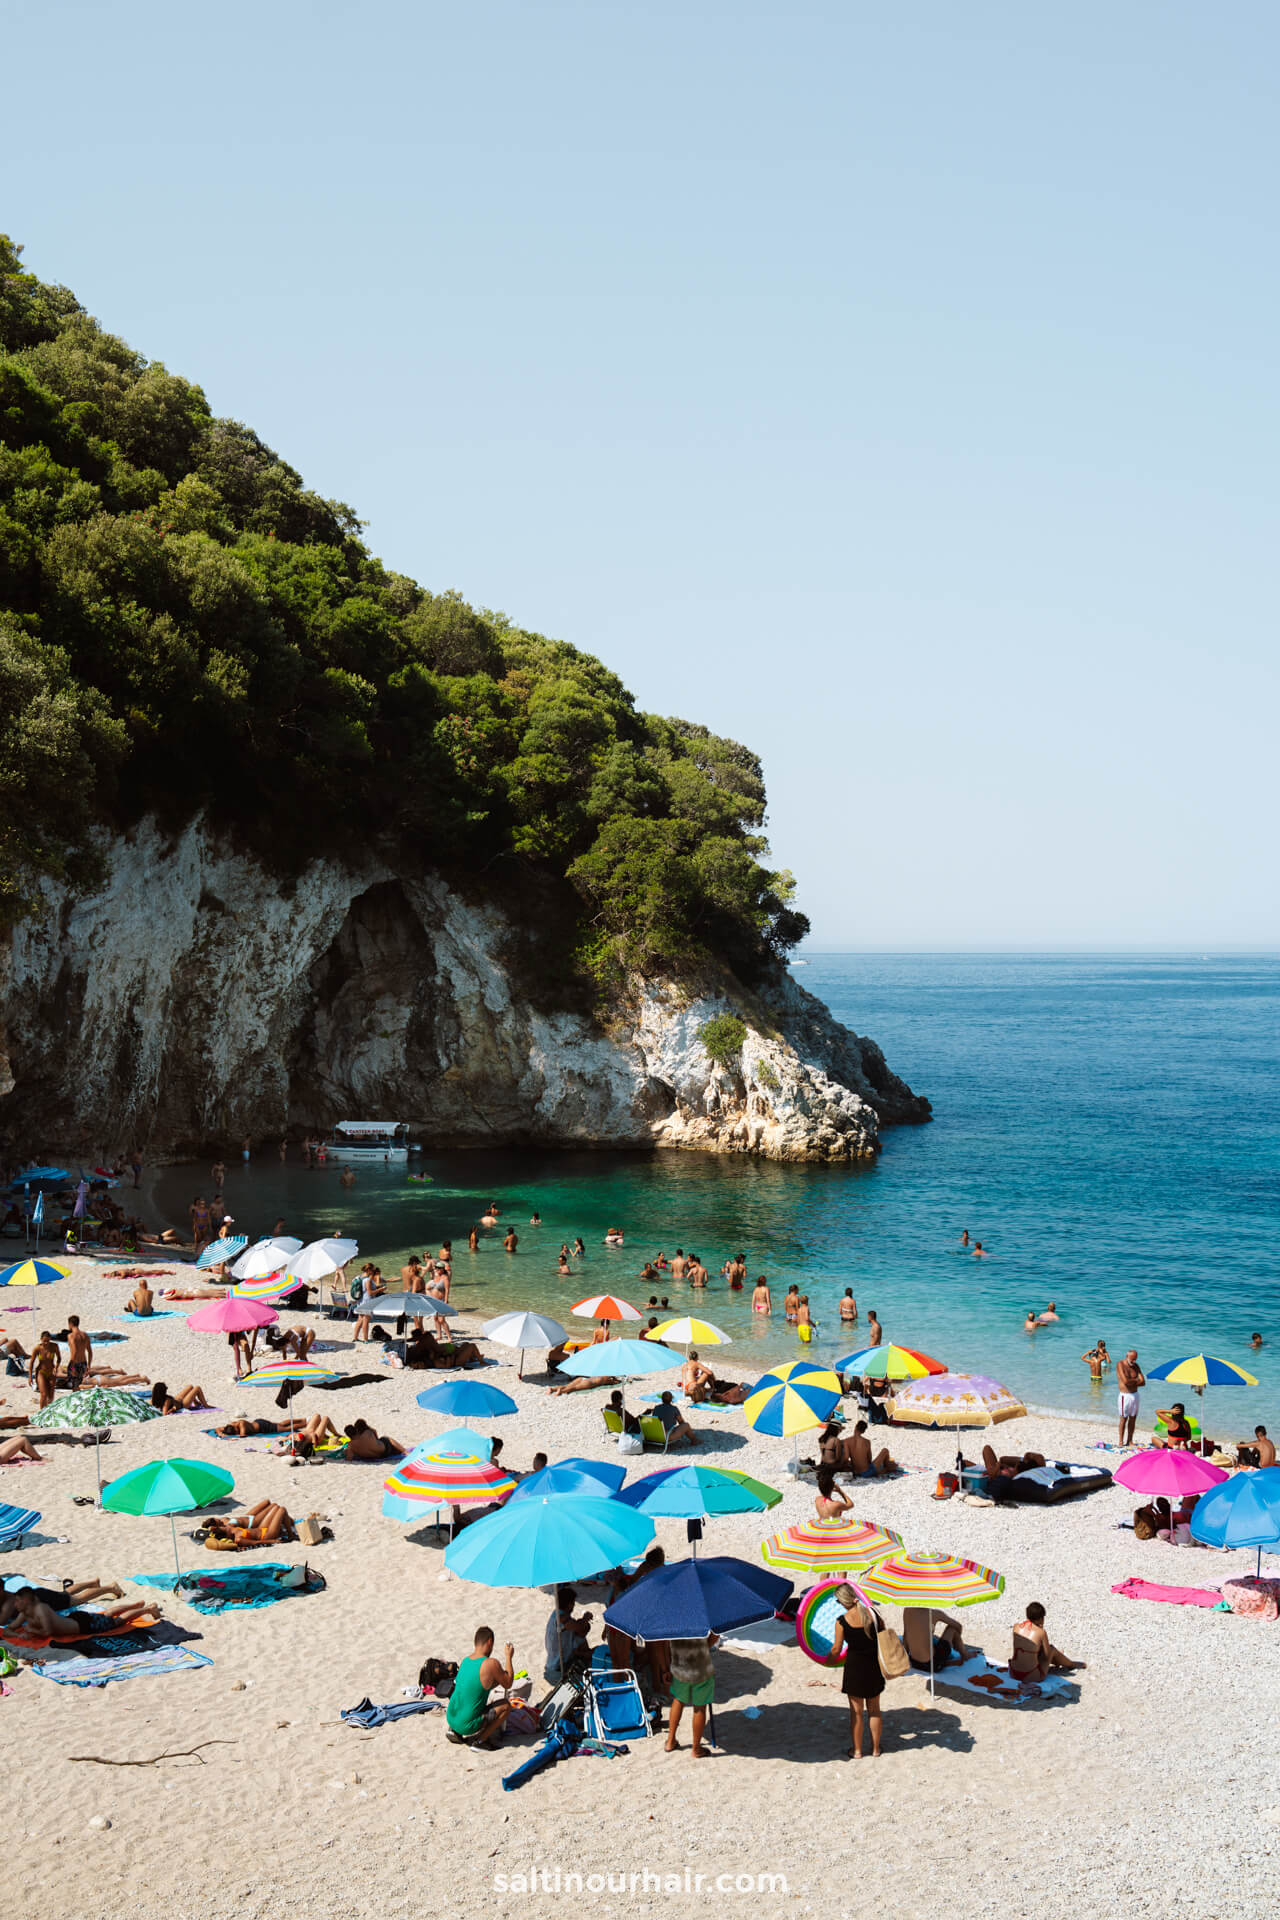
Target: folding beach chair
x: 615, y: 1708
x: 15, y: 1524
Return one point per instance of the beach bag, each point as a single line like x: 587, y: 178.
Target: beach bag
x: 438, y: 1676
x: 891, y: 1653
x: 630, y: 1443
x: 522, y: 1719
x: 309, y: 1530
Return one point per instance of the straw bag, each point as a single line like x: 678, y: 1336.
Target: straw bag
x: 891, y: 1654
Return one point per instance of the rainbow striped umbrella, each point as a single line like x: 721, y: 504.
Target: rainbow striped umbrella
x: 275, y: 1373
x: 271, y: 1286
x: 930, y: 1580
x: 813, y: 1546
x: 889, y: 1363
x: 33, y: 1273
x: 448, y: 1480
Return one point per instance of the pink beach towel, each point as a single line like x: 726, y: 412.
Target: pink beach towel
x: 1177, y: 1596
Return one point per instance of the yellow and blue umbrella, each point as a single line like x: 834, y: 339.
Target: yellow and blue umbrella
x: 791, y: 1399
x: 1201, y: 1370
x: 33, y: 1273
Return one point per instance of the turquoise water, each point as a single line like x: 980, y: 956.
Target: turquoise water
x: 1108, y: 1127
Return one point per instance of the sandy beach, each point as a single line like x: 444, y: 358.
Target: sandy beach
x: 1148, y: 1787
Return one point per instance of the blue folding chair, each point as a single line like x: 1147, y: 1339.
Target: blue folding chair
x: 614, y: 1705
x: 15, y: 1524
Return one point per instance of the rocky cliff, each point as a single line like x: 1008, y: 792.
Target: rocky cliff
x: 195, y: 997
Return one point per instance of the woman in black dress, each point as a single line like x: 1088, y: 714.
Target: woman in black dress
x: 861, y: 1680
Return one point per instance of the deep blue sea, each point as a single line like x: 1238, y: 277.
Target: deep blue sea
x: 1108, y: 1127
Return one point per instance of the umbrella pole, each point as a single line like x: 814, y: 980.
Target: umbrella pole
x: 931, y: 1653
x: 177, y: 1568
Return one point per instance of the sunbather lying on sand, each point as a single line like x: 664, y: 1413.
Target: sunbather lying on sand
x: 297, y: 1341
x: 318, y: 1431
x: 73, y: 1594
x: 19, y: 1448
x: 34, y: 1618
x: 579, y: 1382
x: 424, y: 1350
x: 364, y: 1444
x: 180, y: 1402
x: 242, y: 1428
x: 259, y: 1527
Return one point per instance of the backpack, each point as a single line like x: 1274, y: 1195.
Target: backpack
x: 438, y: 1676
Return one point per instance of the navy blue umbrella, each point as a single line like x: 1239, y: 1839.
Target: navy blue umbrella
x: 692, y: 1598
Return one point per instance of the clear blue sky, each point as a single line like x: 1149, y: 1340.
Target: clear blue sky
x: 891, y: 388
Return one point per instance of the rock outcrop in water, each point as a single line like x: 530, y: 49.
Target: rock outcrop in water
x: 195, y: 997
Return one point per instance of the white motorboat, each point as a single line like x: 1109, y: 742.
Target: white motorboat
x: 384, y: 1140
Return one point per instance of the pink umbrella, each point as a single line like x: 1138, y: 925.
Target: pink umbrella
x: 1168, y: 1470
x: 232, y: 1314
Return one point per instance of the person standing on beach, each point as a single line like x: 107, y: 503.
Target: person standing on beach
x: 1129, y: 1377
x: 42, y: 1373
x: 693, y: 1685
x: 875, y: 1332
x: 79, y: 1352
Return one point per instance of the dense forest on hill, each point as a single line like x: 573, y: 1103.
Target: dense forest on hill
x: 185, y: 627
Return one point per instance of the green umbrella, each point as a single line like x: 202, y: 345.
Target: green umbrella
x: 96, y: 1407
x: 167, y: 1486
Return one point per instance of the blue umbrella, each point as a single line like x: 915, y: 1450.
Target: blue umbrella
x: 467, y: 1398
x: 572, y: 1476
x: 1241, y: 1512
x: 692, y: 1598
x: 696, y: 1492
x: 219, y: 1251
x: 544, y: 1539
x: 627, y: 1359
x: 33, y: 1176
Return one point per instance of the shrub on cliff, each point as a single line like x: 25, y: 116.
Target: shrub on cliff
x: 723, y: 1038
x: 190, y: 627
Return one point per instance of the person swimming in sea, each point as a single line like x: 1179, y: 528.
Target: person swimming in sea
x: 1049, y: 1315
x: 848, y: 1308
x: 1031, y: 1322
x: 979, y: 1251
x: 964, y: 1238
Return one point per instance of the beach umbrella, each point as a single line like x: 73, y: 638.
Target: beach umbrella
x: 606, y: 1307
x: 321, y: 1258
x: 454, y: 1441
x: 696, y: 1492
x: 220, y: 1252
x: 1201, y: 1370
x: 33, y: 1273
x: 467, y: 1398
x: 688, y: 1599
x: 889, y: 1363
x: 790, y: 1399
x: 95, y: 1407
x: 287, y: 1373
x: 265, y: 1257
x: 167, y: 1486
x: 955, y: 1400
x: 270, y: 1286
x: 40, y: 1176
x: 231, y: 1314
x: 819, y: 1547
x: 442, y: 1480
x: 544, y: 1539
x: 931, y: 1580
x: 620, y: 1360
x: 573, y: 1476
x: 686, y: 1331
x: 1243, y: 1511
x: 1171, y: 1471
x: 525, y: 1331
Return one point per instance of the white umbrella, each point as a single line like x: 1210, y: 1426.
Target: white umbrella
x: 264, y: 1257
x: 321, y: 1258
x: 525, y: 1331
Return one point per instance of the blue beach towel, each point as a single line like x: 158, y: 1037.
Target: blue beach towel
x: 79, y: 1672
x: 238, y: 1588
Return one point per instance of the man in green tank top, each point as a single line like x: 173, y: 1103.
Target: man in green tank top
x: 469, y: 1719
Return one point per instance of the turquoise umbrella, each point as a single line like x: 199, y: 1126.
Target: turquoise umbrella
x: 621, y: 1359
x: 167, y: 1486
x: 540, y: 1541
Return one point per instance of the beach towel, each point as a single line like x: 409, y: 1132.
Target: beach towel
x: 1135, y: 1589
x: 81, y: 1672
x: 365, y: 1714
x: 241, y: 1588
x: 977, y: 1675
x: 157, y: 1313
